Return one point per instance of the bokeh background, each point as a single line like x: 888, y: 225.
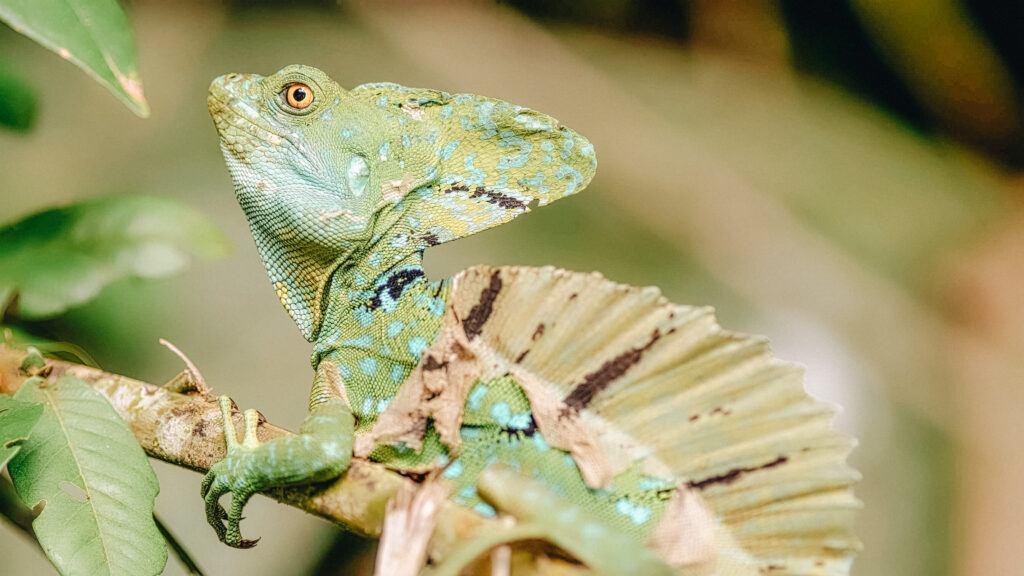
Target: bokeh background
x: 843, y: 176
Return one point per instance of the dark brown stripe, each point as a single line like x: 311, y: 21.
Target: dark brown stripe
x: 473, y: 325
x: 498, y: 199
x: 430, y: 363
x: 583, y: 394
x: 734, y: 474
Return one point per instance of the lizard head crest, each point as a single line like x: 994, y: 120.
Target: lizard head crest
x: 324, y: 174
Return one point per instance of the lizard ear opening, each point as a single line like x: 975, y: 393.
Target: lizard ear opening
x: 472, y: 163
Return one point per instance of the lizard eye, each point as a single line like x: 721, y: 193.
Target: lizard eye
x: 298, y: 95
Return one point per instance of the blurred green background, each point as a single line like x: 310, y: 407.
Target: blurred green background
x: 841, y: 175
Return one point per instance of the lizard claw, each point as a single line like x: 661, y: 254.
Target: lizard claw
x: 235, y: 475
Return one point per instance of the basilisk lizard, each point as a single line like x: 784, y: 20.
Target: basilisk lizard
x: 630, y: 432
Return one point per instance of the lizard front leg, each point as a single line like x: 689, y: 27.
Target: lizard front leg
x: 321, y: 451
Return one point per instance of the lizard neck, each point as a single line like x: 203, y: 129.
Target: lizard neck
x: 381, y: 314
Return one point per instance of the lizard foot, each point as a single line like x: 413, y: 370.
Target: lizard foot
x: 321, y: 451
x: 238, y: 473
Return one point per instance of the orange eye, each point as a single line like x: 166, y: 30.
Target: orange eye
x: 298, y: 95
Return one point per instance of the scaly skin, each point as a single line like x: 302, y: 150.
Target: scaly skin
x: 342, y: 198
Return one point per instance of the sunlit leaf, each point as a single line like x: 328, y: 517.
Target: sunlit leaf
x: 17, y: 101
x: 16, y: 421
x: 93, y: 34
x: 63, y: 257
x: 84, y: 463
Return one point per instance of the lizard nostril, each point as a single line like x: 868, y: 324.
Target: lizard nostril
x: 232, y: 76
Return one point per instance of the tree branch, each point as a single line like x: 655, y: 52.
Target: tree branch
x: 185, y: 429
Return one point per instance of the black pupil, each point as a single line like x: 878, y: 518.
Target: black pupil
x: 299, y: 94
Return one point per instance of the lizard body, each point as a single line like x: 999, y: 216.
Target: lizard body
x: 343, y: 191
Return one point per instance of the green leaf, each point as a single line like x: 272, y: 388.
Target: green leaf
x: 17, y: 101
x: 16, y: 421
x: 93, y: 34
x: 84, y: 463
x: 63, y: 257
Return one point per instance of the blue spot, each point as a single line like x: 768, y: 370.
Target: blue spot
x: 568, y: 171
x: 532, y: 122
x: 397, y: 373
x: 367, y: 405
x: 382, y: 404
x: 368, y: 365
x: 501, y: 413
x: 363, y: 316
x: 364, y: 341
x: 485, y: 510
x: 539, y: 442
x: 449, y: 149
x: 430, y: 173
x: 476, y: 175
x: 454, y: 470
x: 374, y: 259
x: 346, y: 133
x: 382, y: 101
x: 520, y: 421
x: 638, y: 514
x: 537, y: 182
x: 395, y: 328
x: 446, y: 111
x: 416, y: 346
x: 509, y: 139
x: 476, y: 396
x: 345, y: 371
x: 467, y: 492
x: 406, y: 141
x: 383, y: 150
x: 435, y: 306
x: 547, y: 146
x: 567, y: 144
x: 470, y: 432
x: 648, y: 484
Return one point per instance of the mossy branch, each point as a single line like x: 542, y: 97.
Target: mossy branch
x: 185, y: 430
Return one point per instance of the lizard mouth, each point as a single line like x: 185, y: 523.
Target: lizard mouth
x: 240, y: 133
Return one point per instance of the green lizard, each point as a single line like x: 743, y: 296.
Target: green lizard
x: 599, y: 416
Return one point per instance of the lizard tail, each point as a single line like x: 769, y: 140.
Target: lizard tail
x: 663, y: 387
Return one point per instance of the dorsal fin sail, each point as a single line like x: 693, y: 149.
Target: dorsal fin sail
x: 663, y: 387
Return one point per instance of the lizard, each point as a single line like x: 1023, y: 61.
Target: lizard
x: 630, y: 432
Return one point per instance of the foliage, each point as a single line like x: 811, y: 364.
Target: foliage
x: 17, y: 418
x: 18, y: 104
x: 92, y: 34
x: 63, y: 257
x: 66, y: 445
x: 83, y: 461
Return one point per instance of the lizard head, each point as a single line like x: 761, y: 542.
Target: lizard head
x: 327, y: 176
